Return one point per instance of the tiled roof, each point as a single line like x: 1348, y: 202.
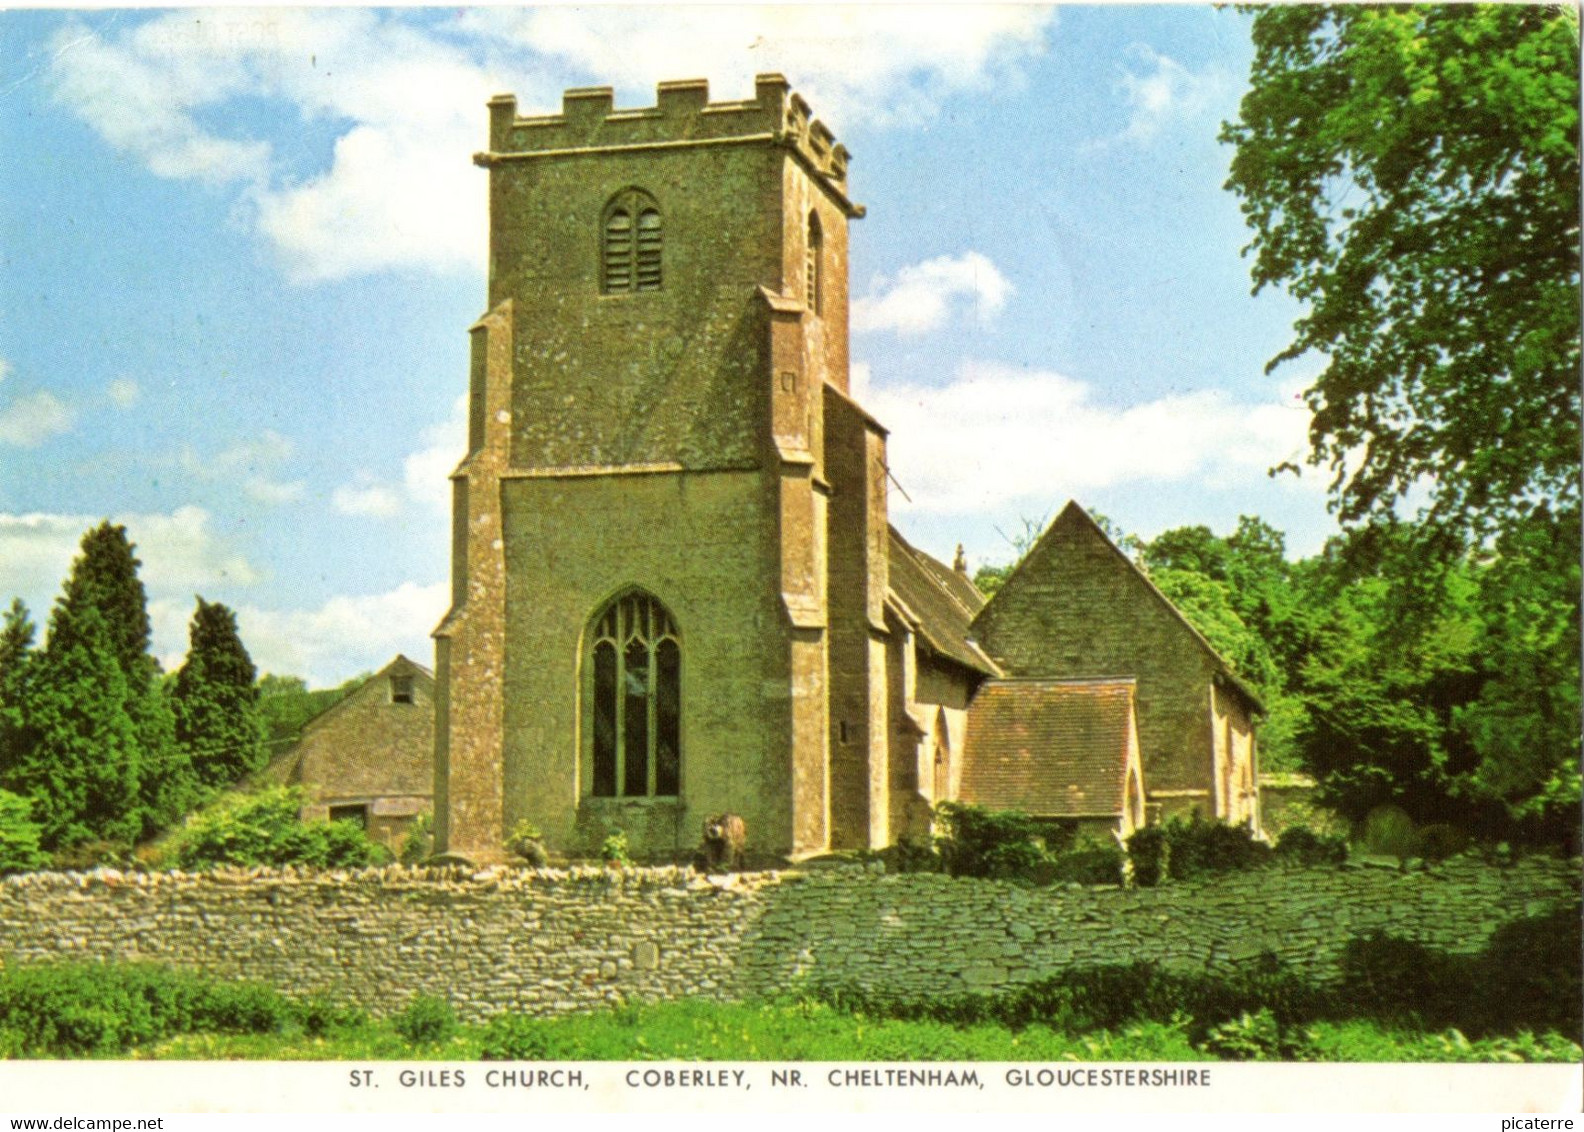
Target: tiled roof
x: 941, y: 601
x: 1052, y: 748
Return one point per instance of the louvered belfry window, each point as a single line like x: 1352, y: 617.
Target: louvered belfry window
x: 632, y: 244
x: 636, y: 701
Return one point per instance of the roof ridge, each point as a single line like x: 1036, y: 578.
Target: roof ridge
x: 925, y: 558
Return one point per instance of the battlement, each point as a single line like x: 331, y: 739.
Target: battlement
x: 682, y: 116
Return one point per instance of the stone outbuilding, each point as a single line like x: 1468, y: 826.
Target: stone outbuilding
x: 675, y: 588
x: 1077, y: 607
x: 369, y: 757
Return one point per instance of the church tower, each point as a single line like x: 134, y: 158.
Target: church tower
x: 653, y: 619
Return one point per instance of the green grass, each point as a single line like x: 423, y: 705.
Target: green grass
x: 139, y: 1011
x: 689, y: 1031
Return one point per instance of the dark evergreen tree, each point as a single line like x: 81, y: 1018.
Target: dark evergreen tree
x: 82, y: 769
x: 105, y: 577
x: 216, y: 700
x: 16, y: 660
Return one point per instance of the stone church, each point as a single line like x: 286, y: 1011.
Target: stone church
x: 675, y: 590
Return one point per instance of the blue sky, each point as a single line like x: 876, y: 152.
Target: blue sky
x: 239, y: 252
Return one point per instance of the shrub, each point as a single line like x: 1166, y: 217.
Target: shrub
x: 911, y: 856
x: 19, y: 835
x: 426, y: 1020
x: 1150, y: 853
x: 614, y: 850
x: 264, y: 829
x: 94, y: 854
x: 1399, y: 979
x: 1201, y: 847
x: 1440, y: 841
x: 976, y: 842
x: 515, y: 1037
x: 1182, y: 850
x: 1092, y: 862
x: 1300, y: 845
x: 420, y: 839
x: 76, y: 1009
x: 1258, y: 1037
x: 1529, y: 973
x: 320, y: 1015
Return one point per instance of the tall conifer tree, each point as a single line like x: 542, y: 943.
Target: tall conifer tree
x: 82, y: 772
x: 216, y: 700
x: 16, y: 659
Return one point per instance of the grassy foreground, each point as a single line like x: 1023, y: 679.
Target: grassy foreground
x: 815, y: 1032
x: 1119, y: 1013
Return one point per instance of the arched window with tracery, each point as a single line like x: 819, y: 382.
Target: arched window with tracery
x: 631, y: 243
x: 635, y: 702
x: 813, y: 253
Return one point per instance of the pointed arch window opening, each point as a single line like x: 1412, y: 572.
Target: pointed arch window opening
x: 637, y: 701
x: 813, y: 253
x: 632, y: 244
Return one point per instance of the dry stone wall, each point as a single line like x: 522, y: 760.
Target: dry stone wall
x: 555, y: 941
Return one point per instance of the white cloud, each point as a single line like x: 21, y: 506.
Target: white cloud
x: 1164, y: 91
x: 406, y: 104
x: 366, y: 499
x: 921, y: 296
x: 181, y: 556
x: 997, y: 437
x: 251, y: 464
x: 859, y: 378
x: 124, y: 392
x: 425, y: 474
x: 880, y: 63
x: 33, y: 418
x: 5, y: 369
x: 346, y: 635
x: 179, y: 552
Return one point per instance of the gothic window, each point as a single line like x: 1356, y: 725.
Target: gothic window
x: 813, y: 250
x: 635, y: 702
x: 630, y: 249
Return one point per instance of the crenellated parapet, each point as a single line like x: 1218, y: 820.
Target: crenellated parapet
x: 682, y: 116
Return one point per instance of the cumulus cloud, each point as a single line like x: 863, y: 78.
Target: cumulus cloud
x: 346, y: 635
x: 998, y: 437
x: 1162, y: 90
x: 922, y: 296
x: 404, y: 98
x: 425, y: 473
x: 30, y: 420
x: 878, y: 64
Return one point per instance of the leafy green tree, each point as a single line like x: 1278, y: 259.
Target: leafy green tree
x: 286, y: 704
x: 216, y: 700
x: 1524, y: 725
x: 1411, y: 174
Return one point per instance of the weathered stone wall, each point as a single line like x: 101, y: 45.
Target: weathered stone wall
x: 548, y: 942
